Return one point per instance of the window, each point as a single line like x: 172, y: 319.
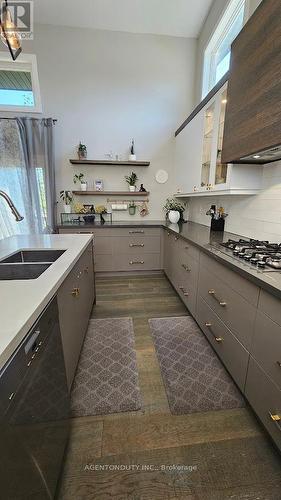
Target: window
x: 19, y: 84
x: 218, y: 50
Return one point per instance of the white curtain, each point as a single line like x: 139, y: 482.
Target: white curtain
x: 24, y: 178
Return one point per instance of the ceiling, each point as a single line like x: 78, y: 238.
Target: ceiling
x: 183, y: 18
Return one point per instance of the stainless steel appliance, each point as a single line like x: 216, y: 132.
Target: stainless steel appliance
x: 263, y: 255
x: 34, y: 413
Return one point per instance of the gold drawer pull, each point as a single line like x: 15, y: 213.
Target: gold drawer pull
x: 212, y: 292
x: 184, y: 291
x: 75, y: 292
x: 132, y: 245
x: 136, y: 232
x: 176, y: 238
x: 136, y: 262
x: 217, y: 339
x: 276, y: 418
x: 186, y: 268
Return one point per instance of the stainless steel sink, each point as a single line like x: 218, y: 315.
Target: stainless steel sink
x: 20, y: 271
x: 33, y: 256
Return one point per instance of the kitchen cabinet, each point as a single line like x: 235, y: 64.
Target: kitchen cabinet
x: 125, y: 249
x: 75, y: 302
x: 253, y: 111
x: 199, y: 168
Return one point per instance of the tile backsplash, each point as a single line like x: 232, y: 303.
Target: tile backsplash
x: 257, y: 216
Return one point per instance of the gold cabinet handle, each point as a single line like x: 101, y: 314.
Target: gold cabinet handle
x: 184, y: 291
x: 137, y: 245
x: 132, y: 262
x: 212, y: 292
x: 136, y: 232
x: 176, y: 238
x: 217, y: 339
x: 75, y: 292
x: 276, y: 418
x: 186, y: 268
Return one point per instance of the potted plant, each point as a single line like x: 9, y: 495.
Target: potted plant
x: 82, y: 151
x: 174, y: 210
x: 80, y: 178
x: 66, y: 197
x: 132, y: 208
x: 132, y: 156
x: 131, y: 180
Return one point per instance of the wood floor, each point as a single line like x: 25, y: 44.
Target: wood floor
x: 132, y: 456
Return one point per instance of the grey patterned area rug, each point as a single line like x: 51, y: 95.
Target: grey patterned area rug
x: 194, y: 378
x: 106, y: 379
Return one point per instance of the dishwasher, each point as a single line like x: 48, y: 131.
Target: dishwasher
x: 34, y: 413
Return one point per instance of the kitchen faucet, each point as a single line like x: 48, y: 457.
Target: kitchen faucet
x: 17, y: 215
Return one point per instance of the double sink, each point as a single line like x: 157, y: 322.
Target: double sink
x: 27, y: 264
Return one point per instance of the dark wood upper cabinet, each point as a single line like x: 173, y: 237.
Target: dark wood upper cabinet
x: 253, y: 112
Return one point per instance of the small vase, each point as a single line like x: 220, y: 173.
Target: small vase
x: 67, y: 209
x: 132, y: 158
x: 83, y: 186
x: 132, y: 188
x: 82, y: 155
x: 132, y: 210
x: 174, y: 216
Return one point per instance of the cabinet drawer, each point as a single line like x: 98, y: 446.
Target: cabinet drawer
x: 137, y: 244
x: 139, y: 262
x: 245, y: 288
x: 265, y: 398
x: 185, y: 279
x: 134, y: 231
x: 266, y: 347
x: 231, y: 352
x: 271, y: 306
x: 103, y: 245
x: 230, y: 306
x: 188, y: 249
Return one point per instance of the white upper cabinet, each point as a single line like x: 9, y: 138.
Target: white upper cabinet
x: 198, y: 167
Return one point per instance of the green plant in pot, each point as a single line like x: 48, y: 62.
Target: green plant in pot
x: 132, y: 208
x: 82, y: 151
x: 131, y: 181
x: 174, y: 210
x: 80, y: 178
x: 66, y: 197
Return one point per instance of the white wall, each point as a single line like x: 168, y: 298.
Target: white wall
x: 256, y: 216
x: 107, y: 87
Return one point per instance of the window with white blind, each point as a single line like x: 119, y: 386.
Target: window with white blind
x: 218, y: 51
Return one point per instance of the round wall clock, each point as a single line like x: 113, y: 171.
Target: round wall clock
x: 161, y: 176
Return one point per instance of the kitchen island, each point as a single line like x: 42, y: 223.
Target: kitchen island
x: 22, y: 301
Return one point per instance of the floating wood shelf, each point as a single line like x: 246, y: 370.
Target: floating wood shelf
x: 111, y: 193
x: 111, y: 162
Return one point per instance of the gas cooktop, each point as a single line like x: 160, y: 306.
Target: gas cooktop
x: 258, y: 254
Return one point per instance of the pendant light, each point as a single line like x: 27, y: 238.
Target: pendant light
x: 8, y: 31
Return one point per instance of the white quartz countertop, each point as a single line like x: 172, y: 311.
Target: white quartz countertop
x: 22, y: 301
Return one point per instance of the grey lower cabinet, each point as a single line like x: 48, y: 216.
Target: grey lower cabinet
x: 75, y: 302
x: 125, y: 249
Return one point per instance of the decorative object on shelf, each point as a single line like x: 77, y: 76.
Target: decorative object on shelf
x: 120, y: 206
x: 142, y: 189
x: 101, y: 210
x: 174, y: 210
x: 74, y: 219
x: 131, y: 180
x: 98, y: 185
x: 217, y: 218
x: 80, y: 178
x: 161, y: 176
x: 66, y: 197
x: 144, y: 209
x: 132, y: 208
x: 82, y: 151
x: 132, y: 156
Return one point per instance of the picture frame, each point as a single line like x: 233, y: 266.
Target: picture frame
x: 99, y: 185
